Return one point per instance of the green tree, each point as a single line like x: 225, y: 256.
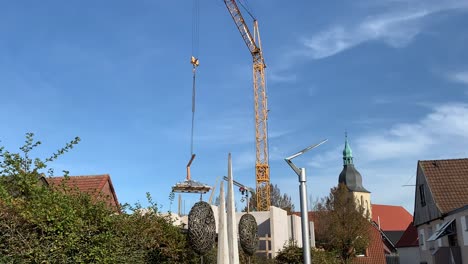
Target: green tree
x: 341, y: 226
x: 277, y: 199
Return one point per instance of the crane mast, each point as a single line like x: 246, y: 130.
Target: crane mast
x: 262, y: 168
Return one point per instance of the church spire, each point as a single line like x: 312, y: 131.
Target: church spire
x: 349, y: 175
x: 347, y: 152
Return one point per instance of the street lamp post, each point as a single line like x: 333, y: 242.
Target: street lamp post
x: 303, y: 200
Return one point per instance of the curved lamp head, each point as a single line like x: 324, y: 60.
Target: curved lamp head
x: 288, y: 159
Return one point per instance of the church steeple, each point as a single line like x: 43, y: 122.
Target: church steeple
x: 347, y: 152
x: 349, y: 175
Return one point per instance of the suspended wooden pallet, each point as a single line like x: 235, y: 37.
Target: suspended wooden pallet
x: 190, y: 186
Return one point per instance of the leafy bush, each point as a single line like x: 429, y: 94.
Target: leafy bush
x: 39, y: 224
x: 292, y: 254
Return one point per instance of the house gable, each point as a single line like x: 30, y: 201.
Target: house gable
x: 97, y: 186
x: 425, y: 208
x: 440, y: 188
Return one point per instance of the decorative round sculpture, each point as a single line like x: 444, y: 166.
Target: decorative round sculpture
x: 201, y: 228
x: 248, y: 235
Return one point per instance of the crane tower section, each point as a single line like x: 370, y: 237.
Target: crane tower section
x: 262, y: 168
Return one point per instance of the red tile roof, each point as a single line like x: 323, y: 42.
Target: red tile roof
x: 391, y: 217
x: 409, y: 238
x: 448, y: 182
x: 94, y: 185
x: 375, y: 252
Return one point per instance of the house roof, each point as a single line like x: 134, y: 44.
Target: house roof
x: 393, y: 236
x: 409, y: 238
x: 375, y: 251
x: 448, y: 182
x: 391, y: 217
x: 90, y: 184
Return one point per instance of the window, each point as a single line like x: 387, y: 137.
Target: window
x: 464, y: 226
x: 422, y: 243
x: 439, y: 241
x: 466, y: 222
x: 452, y: 234
x: 362, y: 253
x: 422, y: 195
x: 429, y: 234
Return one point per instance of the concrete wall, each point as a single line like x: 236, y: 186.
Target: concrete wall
x: 409, y: 255
x: 279, y: 229
x: 295, y: 229
x: 263, y: 223
x: 312, y: 234
x: 276, y: 224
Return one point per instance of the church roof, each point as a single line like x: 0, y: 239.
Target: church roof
x: 350, y: 176
x: 347, y: 151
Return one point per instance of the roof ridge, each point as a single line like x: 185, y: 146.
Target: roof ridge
x: 444, y: 159
x: 103, y: 182
x: 74, y: 176
x: 387, y: 205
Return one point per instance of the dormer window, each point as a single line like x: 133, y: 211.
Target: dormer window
x: 422, y: 195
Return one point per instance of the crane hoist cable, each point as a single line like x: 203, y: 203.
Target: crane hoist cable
x: 247, y: 9
x: 194, y: 61
x: 189, y: 185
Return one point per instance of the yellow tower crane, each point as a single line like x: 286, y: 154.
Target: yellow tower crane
x: 262, y: 168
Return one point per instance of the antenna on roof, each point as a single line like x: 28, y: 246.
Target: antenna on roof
x: 407, y: 185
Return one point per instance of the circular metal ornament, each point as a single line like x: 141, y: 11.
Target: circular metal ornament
x: 201, y: 228
x: 248, y: 234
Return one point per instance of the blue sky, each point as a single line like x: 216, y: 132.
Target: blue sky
x: 393, y: 73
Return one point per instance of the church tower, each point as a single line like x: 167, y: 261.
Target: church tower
x: 350, y: 177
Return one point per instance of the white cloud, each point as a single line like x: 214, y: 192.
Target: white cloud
x: 387, y: 158
x: 445, y: 124
x: 396, y: 29
x: 459, y: 77
x: 243, y: 160
x: 277, y: 77
x: 324, y: 160
x: 231, y: 128
x: 441, y: 133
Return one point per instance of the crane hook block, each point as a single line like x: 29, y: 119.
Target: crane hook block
x: 194, y: 61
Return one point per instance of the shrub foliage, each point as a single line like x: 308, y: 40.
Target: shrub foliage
x: 40, y: 224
